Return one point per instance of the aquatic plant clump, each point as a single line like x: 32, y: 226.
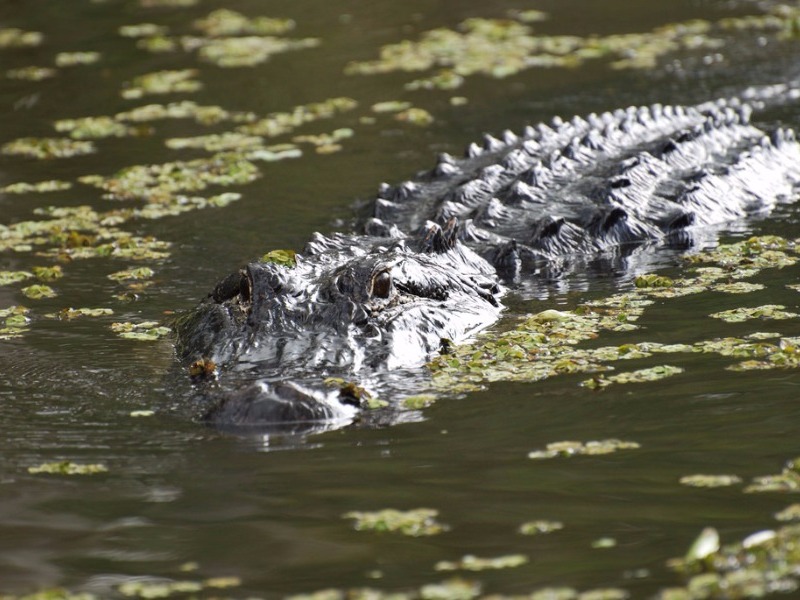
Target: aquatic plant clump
x: 548, y: 344
x: 11, y: 37
x: 475, y: 563
x: 415, y: 523
x: 68, y: 468
x: 592, y: 448
x: 765, y: 562
x: 159, y: 182
x: 46, y: 148
x: 162, y: 82
x: 225, y: 22
x: 503, y: 47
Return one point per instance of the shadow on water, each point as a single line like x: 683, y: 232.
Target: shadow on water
x: 182, y: 502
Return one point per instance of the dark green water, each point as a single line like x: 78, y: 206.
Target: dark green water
x: 176, y: 492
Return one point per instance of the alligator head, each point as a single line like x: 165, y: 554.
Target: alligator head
x: 351, y: 307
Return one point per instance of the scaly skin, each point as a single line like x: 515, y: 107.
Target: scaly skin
x: 431, y: 262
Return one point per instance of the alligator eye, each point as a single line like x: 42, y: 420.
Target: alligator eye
x: 382, y: 285
x: 345, y: 283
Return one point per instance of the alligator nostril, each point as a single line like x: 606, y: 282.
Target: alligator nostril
x: 381, y: 285
x: 234, y: 284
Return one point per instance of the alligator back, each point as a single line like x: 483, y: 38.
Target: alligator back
x: 373, y: 306
x: 599, y: 183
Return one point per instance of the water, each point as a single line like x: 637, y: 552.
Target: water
x: 269, y: 511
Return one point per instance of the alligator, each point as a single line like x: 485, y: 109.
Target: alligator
x: 431, y: 263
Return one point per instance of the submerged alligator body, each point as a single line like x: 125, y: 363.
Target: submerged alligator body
x: 435, y: 258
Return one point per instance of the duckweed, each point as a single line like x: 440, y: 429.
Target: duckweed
x: 147, y: 331
x: 790, y: 513
x: 46, y: 148
x: 162, y: 82
x: 204, y: 115
x: 48, y: 273
x: 142, y: 30
x: 52, y: 185
x: 390, y: 106
x: 68, y: 468
x: 129, y: 274
x: 710, y: 481
x: 245, y: 51
x: 474, y: 563
x: 415, y: 523
x: 224, y: 22
x: 31, y: 73
x: 571, y: 448
x: 651, y: 374
x: 158, y: 182
x: 280, y: 123
x: 158, y: 589
x: 539, y: 527
x: 418, y: 401
x: 11, y: 37
x: 68, y: 314
x: 9, y: 277
x: 14, y: 322
x: 95, y: 128
x: 285, y: 258
x: 38, y: 291
x: 72, y: 59
x: 547, y: 344
x: 415, y: 116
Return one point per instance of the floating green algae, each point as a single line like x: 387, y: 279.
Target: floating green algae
x: 285, y: 258
x: 147, y: 331
x: 225, y: 22
x: 788, y: 480
x: 762, y: 563
x: 247, y: 51
x: 280, y: 123
x: 68, y: 314
x: 31, y: 73
x: 539, y: 527
x: 186, y: 109
x: 390, y: 106
x: 790, y: 513
x: 415, y: 523
x: 72, y: 59
x: 38, y: 291
x: 22, y: 187
x: 142, y: 30
x: 549, y: 343
x: 415, y: 116
x: 503, y: 47
x: 135, y: 274
x: 68, y: 468
x: 9, y: 277
x: 710, y: 481
x: 639, y: 376
x: 45, y: 148
x: 162, y: 82
x: 168, y: 3
x: 767, y: 311
x: 95, y: 128
x: 48, y: 273
x: 573, y: 448
x: 11, y: 37
x: 159, y: 182
x: 418, y: 401
x: 475, y: 563
x: 13, y: 322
